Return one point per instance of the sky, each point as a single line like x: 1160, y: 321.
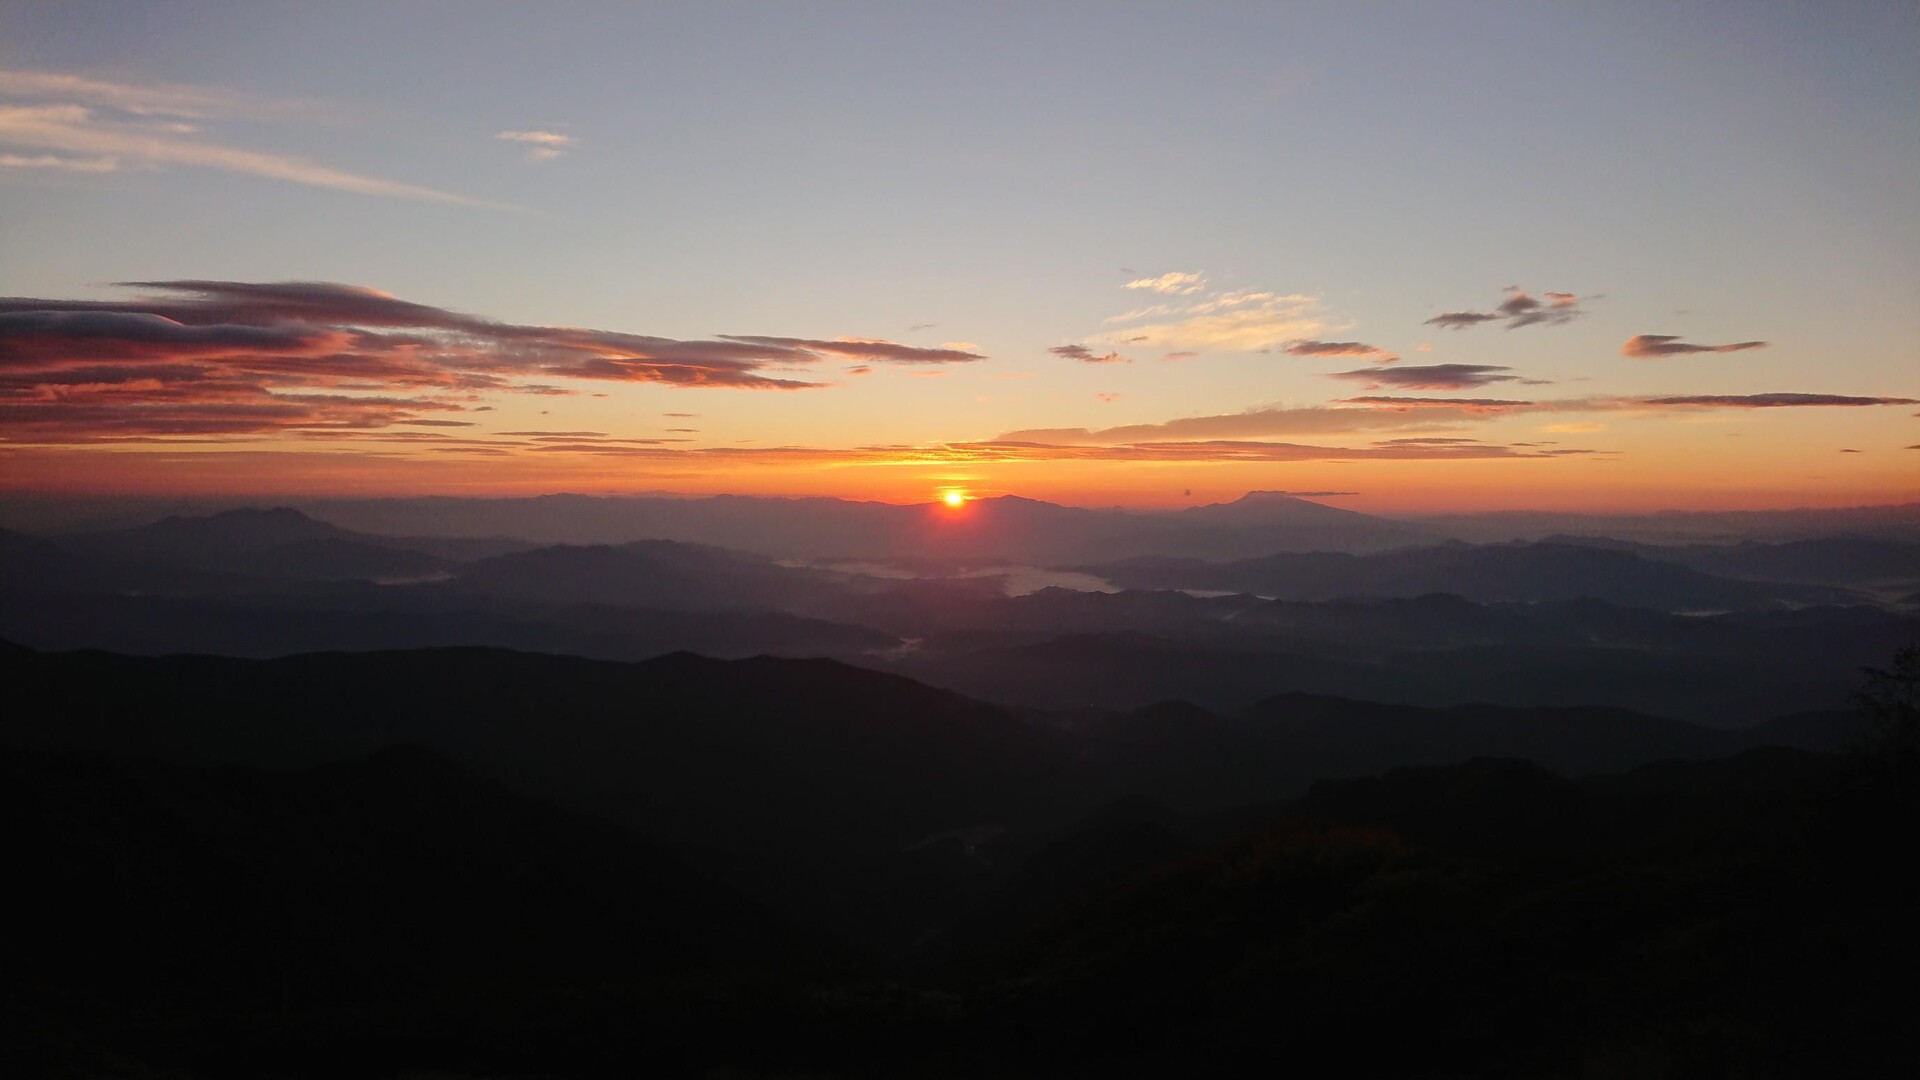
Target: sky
x: 1433, y: 257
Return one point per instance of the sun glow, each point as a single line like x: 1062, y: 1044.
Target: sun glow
x: 955, y: 498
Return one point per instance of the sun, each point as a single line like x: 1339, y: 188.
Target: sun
x: 955, y: 498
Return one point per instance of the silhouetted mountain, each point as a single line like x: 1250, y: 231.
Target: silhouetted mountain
x: 657, y: 574
x: 376, y: 618
x: 230, y: 869
x: 763, y: 753
x: 1898, y: 522
x: 1497, y: 573
x: 360, y: 881
x: 276, y: 544
x: 1225, y: 653
x: 30, y: 562
x: 1006, y: 527
x: 1850, y: 560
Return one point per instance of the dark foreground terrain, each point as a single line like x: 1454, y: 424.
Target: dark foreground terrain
x: 467, y: 863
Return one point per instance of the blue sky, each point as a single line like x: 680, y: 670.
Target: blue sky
x: 1722, y: 174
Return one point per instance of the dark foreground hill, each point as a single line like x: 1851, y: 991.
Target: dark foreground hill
x: 231, y: 869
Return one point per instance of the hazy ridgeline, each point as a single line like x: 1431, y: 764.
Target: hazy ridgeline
x: 580, y: 787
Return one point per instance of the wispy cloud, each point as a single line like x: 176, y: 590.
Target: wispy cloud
x: 146, y: 99
x: 869, y: 349
x: 1246, y: 320
x: 1428, y: 376
x: 541, y: 145
x: 1170, y: 284
x: 61, y: 164
x: 88, y: 125
x: 240, y: 358
x: 1644, y: 346
x: 1259, y: 423
x: 1427, y: 405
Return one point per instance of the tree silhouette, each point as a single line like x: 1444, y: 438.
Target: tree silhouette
x: 1890, y: 701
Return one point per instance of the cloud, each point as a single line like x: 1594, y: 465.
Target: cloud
x: 1242, y: 321
x: 1185, y: 355
x: 235, y: 358
x: 89, y: 125
x: 1472, y: 406
x: 1520, y: 308
x: 867, y: 349
x: 1086, y: 355
x: 1628, y: 404
x: 1650, y: 345
x: 148, y: 99
x: 1428, y: 376
x: 1460, y: 320
x: 541, y: 145
x: 62, y: 164
x: 1423, y: 441
x: 1235, y: 450
x: 1770, y: 401
x: 1256, y: 423
x: 1341, y: 348
x: 1170, y: 284
x: 1106, y: 399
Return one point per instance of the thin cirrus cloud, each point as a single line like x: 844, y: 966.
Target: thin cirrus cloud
x: 1520, y: 308
x: 75, y: 124
x: 540, y: 145
x: 223, y: 358
x: 1226, y: 450
x: 1649, y: 404
x: 1170, y: 284
x: 1241, y: 320
x: 1259, y: 423
x: 1429, y: 376
x: 1341, y: 348
x: 1646, y: 346
x: 1770, y: 401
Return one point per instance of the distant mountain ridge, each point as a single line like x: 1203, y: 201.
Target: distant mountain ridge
x: 1005, y: 527
x: 1493, y: 573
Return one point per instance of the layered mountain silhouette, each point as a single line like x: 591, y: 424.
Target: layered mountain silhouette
x: 1491, y: 573
x: 472, y: 861
x: 1540, y: 624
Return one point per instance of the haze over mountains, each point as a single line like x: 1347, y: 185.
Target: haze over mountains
x: 990, y: 599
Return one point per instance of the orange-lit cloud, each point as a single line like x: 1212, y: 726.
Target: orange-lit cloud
x: 234, y: 358
x: 541, y: 145
x: 1170, y: 284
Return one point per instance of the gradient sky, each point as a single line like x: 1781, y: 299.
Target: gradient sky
x: 1440, y: 256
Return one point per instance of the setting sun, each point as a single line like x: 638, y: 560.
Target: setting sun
x: 955, y: 498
